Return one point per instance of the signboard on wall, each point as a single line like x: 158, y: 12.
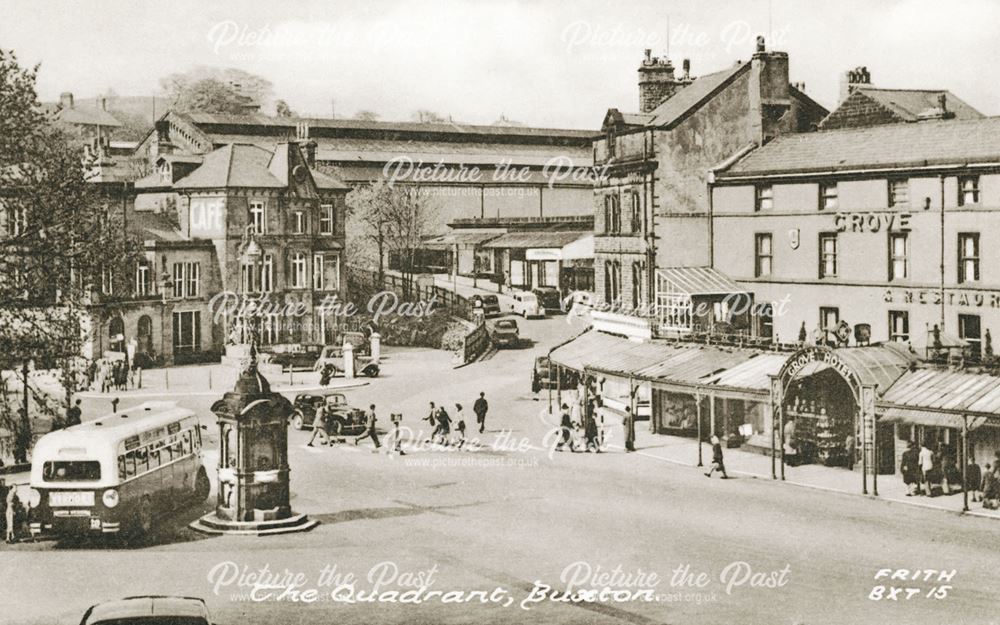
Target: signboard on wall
x: 207, y: 217
x: 951, y: 297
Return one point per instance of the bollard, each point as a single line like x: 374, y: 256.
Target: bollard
x: 376, y: 345
x: 166, y: 377
x: 348, y: 360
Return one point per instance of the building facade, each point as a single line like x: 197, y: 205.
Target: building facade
x: 651, y: 205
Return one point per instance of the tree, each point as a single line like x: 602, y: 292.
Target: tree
x: 59, y: 236
x: 392, y: 219
x: 366, y: 115
x: 424, y: 116
x: 281, y: 109
x: 217, y: 90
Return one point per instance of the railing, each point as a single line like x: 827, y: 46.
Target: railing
x: 412, y: 290
x: 475, y: 343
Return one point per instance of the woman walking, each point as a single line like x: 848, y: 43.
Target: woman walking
x: 717, y: 461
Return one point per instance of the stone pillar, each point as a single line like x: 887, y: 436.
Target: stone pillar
x: 376, y: 347
x: 348, y: 360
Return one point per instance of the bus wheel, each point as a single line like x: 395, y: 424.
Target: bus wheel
x: 202, y: 486
x: 145, y: 517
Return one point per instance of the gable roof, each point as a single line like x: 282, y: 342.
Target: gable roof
x: 908, y: 104
x: 86, y: 117
x: 920, y: 144
x: 671, y: 112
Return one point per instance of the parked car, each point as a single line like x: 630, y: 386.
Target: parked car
x: 334, y: 354
x: 526, y: 304
x: 549, y: 298
x: 540, y: 376
x: 488, y: 302
x: 343, y: 419
x: 504, y: 333
x: 148, y: 610
x: 297, y: 357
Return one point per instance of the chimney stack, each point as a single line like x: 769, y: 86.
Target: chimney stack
x: 657, y: 82
x: 102, y: 103
x: 686, y: 65
x: 311, y: 153
x: 760, y: 44
x: 852, y: 79
x: 66, y: 99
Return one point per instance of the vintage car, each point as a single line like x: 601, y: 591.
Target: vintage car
x: 297, y: 357
x: 543, y: 378
x: 488, y: 303
x: 335, y: 353
x: 149, y: 610
x: 342, y: 419
x: 504, y: 333
x: 526, y: 304
x: 548, y: 297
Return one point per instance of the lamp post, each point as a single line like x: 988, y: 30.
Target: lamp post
x: 250, y: 255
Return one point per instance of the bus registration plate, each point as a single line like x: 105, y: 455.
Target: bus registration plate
x: 73, y: 498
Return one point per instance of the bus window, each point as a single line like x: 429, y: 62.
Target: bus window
x: 71, y: 471
x: 130, y: 464
x: 121, y: 467
x: 166, y: 454
x: 177, y: 449
x: 141, y: 460
x: 154, y: 458
x: 186, y: 441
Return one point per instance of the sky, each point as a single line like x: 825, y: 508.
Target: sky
x: 555, y: 63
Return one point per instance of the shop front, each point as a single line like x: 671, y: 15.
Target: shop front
x: 527, y: 260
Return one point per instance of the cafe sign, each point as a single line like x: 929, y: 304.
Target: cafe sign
x: 934, y: 297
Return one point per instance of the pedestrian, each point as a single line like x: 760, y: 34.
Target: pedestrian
x: 991, y: 489
x: 319, y: 428
x: 590, y: 434
x: 973, y: 480
x: 480, y: 408
x: 909, y: 468
x: 849, y: 452
x: 926, y: 461
x: 565, y: 430
x: 74, y: 414
x: 3, y: 498
x: 460, y: 429
x: 629, y: 423
x: 397, y: 444
x: 325, y: 374
x: 11, y: 502
x: 443, y: 425
x: 717, y: 460
x: 369, y: 428
x: 431, y: 418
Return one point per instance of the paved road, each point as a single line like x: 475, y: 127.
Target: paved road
x: 502, y: 518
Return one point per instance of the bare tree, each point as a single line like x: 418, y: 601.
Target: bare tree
x: 366, y: 115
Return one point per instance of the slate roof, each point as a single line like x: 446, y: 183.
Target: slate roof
x: 233, y: 165
x: 917, y: 144
x: 676, y: 108
x: 908, y: 104
x: 87, y: 117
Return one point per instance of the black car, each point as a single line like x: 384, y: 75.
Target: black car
x: 488, y: 302
x: 299, y: 358
x: 504, y: 333
x: 549, y: 298
x: 342, y: 419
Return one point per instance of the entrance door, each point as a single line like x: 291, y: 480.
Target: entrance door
x: 144, y: 331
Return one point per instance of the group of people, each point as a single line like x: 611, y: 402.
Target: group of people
x: 113, y: 375
x: 450, y: 429
x: 74, y: 416
x: 930, y: 473
x: 324, y: 427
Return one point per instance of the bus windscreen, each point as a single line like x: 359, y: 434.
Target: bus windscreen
x: 71, y: 471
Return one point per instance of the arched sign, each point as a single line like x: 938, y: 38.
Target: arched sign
x: 798, y: 361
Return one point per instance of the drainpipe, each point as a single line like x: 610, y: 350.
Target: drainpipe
x: 941, y: 178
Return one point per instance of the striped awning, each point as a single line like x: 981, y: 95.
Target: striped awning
x: 699, y: 281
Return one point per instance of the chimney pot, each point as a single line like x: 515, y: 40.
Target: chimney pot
x: 760, y: 43
x: 66, y: 99
x: 686, y: 64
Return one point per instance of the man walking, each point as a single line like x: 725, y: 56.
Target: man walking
x: 319, y: 428
x: 431, y: 418
x: 369, y: 428
x: 909, y: 468
x: 717, y: 461
x: 565, y: 430
x: 74, y: 415
x: 480, y: 407
x: 926, y: 461
x: 629, y: 423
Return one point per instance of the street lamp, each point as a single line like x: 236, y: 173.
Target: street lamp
x: 250, y: 256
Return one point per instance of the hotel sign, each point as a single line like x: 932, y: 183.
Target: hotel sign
x: 934, y: 297
x: 872, y: 222
x: 798, y: 361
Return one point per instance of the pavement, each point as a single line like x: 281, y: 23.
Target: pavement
x: 507, y: 517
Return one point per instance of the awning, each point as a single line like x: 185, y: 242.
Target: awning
x: 956, y: 392
x: 537, y: 240
x: 450, y: 240
x: 916, y: 416
x: 876, y: 365
x: 579, y: 249
x: 698, y: 281
x: 751, y: 378
x: 692, y: 365
x: 587, y: 350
